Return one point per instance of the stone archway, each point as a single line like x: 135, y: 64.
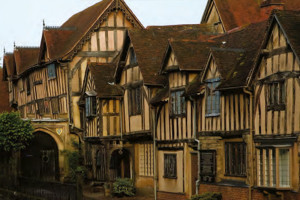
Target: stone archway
x: 120, y: 164
x: 40, y: 159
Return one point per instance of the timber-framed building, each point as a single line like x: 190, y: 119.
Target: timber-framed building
x: 179, y: 109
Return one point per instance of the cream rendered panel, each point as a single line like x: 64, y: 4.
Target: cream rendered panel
x: 166, y: 184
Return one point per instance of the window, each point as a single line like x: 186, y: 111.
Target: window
x: 235, y: 158
x: 90, y: 106
x: 41, y: 107
x: 51, y: 71
x: 28, y: 86
x: 178, y: 105
x: 146, y: 159
x: 276, y: 96
x: 47, y: 106
x: 21, y: 83
x: 135, y: 101
x: 212, y: 98
x: 207, y: 165
x: 273, y: 167
x: 54, y: 105
x: 132, y: 57
x: 170, y: 166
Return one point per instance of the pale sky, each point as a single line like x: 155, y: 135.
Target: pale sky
x: 22, y: 21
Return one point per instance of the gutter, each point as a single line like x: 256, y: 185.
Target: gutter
x: 250, y: 93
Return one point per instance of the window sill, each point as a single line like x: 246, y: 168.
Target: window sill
x: 168, y: 177
x: 212, y: 115
x: 91, y: 117
x: 274, y: 188
x: 133, y: 115
x: 276, y: 107
x: 49, y: 79
x: 177, y: 115
x: 235, y: 175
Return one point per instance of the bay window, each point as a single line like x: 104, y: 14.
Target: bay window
x: 273, y: 167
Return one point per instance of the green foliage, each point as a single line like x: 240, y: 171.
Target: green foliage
x: 123, y: 187
x: 208, y: 196
x: 74, y: 160
x: 15, y: 133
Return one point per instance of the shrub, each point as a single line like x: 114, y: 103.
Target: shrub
x: 15, y: 133
x: 208, y: 196
x: 123, y: 187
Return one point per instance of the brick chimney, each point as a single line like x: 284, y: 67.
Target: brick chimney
x: 268, y: 5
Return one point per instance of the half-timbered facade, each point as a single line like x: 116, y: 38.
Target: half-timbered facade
x: 276, y: 110
x: 178, y: 109
x: 46, y: 81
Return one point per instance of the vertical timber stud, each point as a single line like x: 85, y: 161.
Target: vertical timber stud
x: 154, y: 152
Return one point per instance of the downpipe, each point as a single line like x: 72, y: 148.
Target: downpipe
x: 198, y: 144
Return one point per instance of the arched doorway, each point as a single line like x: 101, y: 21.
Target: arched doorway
x: 120, y: 164
x: 40, y: 159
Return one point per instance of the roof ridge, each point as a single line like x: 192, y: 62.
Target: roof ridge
x: 59, y: 28
x: 27, y: 47
x: 227, y: 49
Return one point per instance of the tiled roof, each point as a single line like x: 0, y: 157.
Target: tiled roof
x: 4, y: 96
x: 65, y: 38
x: 9, y: 65
x: 150, y: 45
x: 191, y: 55
x: 290, y: 22
x: 160, y: 95
x: 235, y: 14
x: 241, y: 47
x: 25, y: 58
x: 56, y: 41
x: 103, y: 76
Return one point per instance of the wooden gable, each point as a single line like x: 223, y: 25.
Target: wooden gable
x: 211, y: 16
x: 277, y: 89
x: 211, y: 70
x: 277, y: 54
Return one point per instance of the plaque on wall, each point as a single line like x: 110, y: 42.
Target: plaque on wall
x: 207, y: 165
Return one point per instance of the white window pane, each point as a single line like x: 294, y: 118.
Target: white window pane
x: 284, y: 172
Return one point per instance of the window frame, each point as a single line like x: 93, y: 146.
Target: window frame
x: 175, y: 110
x: 135, y: 98
x: 53, y: 102
x: 28, y: 87
x: 51, y: 69
x: 263, y: 165
x: 212, y: 98
x: 90, y: 106
x: 170, y: 161
x: 208, y: 176
x: 235, y: 159
x: 132, y: 57
x: 276, y: 100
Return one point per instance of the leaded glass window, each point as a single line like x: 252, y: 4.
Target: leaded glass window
x: 212, y: 98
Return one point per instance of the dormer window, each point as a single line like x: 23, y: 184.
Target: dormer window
x: 178, y: 104
x: 51, y: 71
x: 132, y: 57
x: 276, y: 95
x: 90, y: 106
x: 212, y: 98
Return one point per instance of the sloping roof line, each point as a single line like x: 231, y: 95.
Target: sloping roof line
x: 290, y: 29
